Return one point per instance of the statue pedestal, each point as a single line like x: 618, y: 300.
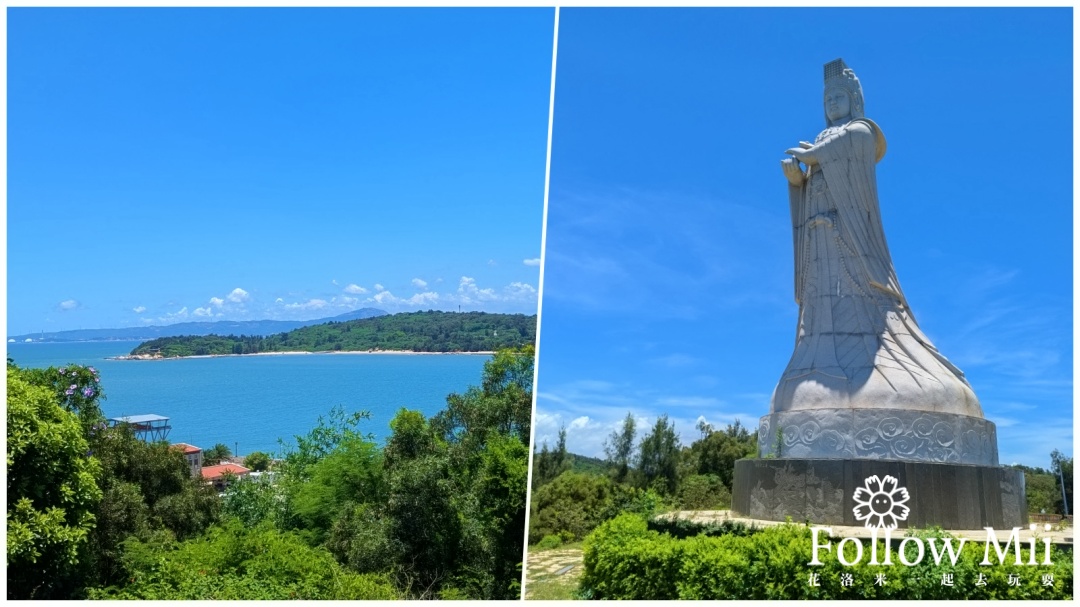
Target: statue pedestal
x: 821, y: 491
x: 878, y: 434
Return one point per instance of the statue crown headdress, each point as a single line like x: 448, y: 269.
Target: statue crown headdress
x: 839, y: 75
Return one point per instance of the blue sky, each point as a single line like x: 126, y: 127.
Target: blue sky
x: 169, y: 165
x: 668, y: 279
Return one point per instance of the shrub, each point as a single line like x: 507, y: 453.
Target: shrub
x: 549, y: 542
x: 232, y: 562
x: 572, y: 504
x: 625, y: 559
x: 703, y: 492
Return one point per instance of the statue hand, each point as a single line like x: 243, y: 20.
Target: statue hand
x: 793, y: 171
x: 806, y: 145
x: 802, y: 155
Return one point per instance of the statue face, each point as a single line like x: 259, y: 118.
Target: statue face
x: 837, y: 104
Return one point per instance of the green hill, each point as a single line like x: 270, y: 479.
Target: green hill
x: 410, y: 332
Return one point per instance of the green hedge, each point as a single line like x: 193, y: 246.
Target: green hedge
x: 624, y: 559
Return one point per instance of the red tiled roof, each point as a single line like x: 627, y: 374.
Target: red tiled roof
x: 214, y: 472
x: 188, y: 449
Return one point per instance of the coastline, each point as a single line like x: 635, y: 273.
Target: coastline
x: 297, y: 352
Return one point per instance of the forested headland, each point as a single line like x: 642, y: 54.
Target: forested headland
x: 429, y: 331
x: 436, y: 511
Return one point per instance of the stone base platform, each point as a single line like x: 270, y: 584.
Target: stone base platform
x: 821, y: 491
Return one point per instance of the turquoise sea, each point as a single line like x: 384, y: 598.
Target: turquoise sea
x: 248, y: 402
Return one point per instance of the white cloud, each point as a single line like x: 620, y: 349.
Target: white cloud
x: 334, y: 282
x: 592, y: 409
x: 379, y: 287
x: 202, y: 311
x: 349, y: 301
x: 425, y: 297
x: 470, y: 293
x: 67, y: 304
x: 238, y: 295
x: 386, y: 298
x: 419, y: 284
x: 311, y: 304
x: 180, y: 314
x: 217, y: 302
x: 535, y: 261
x: 139, y: 309
x: 279, y: 300
x: 520, y: 289
x: 491, y: 262
x: 355, y: 289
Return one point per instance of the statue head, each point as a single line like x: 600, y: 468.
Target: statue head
x: 841, y: 88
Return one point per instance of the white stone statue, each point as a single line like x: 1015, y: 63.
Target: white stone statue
x: 858, y: 346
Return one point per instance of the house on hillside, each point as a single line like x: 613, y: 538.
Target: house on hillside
x: 218, y: 475
x: 193, y: 455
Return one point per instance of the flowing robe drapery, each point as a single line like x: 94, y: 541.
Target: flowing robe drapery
x: 858, y: 344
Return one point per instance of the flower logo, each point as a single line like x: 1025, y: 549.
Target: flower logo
x: 880, y: 502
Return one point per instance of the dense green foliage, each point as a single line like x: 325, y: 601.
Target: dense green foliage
x: 126, y: 489
x: 408, y: 332
x: 624, y: 559
x: 717, y: 450
x: 575, y: 503
x: 257, y: 461
x: 573, y: 494
x: 232, y: 562
x: 438, y: 511
x: 51, y: 490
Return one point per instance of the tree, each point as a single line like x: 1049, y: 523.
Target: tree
x: 550, y: 464
x: 411, y: 437
x: 658, y: 458
x: 216, y: 454
x: 257, y: 461
x: 716, y: 452
x: 51, y: 491
x: 502, y: 404
x: 1043, y: 492
x: 77, y: 389
x: 350, y: 474
x: 619, y: 448
x: 147, y: 488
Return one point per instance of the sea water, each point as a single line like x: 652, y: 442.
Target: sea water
x: 249, y: 402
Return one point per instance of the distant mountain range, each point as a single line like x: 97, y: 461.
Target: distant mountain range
x: 220, y: 327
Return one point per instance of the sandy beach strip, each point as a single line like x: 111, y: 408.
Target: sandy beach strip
x: 300, y: 352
